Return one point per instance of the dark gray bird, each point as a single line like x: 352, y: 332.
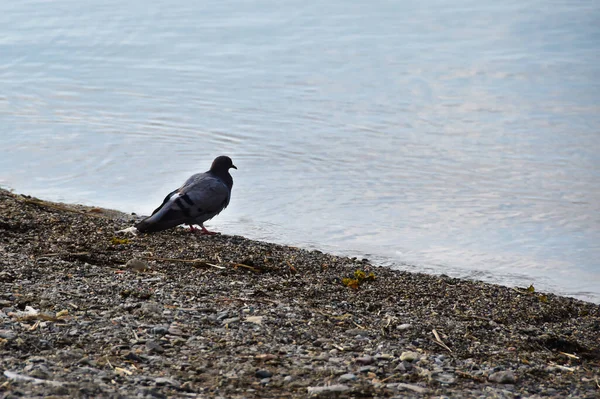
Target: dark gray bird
x: 202, y: 196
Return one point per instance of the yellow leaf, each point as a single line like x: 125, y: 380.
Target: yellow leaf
x: 359, y: 275
x: 531, y: 289
x: 117, y: 241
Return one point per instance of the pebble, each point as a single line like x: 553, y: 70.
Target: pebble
x: 411, y: 387
x: 136, y: 265
x: 403, y: 327
x: 403, y: 367
x: 347, y: 377
x: 409, y: 356
x: 174, y: 329
x: 133, y: 356
x: 151, y: 309
x: 36, y: 359
x: 503, y: 377
x: 263, y: 374
x: 167, y: 381
x: 230, y: 320
x: 154, y: 347
x: 443, y: 378
x: 357, y: 331
x: 365, y: 360
x: 160, y: 330
x: 222, y: 315
x: 367, y: 369
x: 8, y: 334
x: 327, y: 390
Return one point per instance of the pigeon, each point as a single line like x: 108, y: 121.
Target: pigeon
x: 202, y: 197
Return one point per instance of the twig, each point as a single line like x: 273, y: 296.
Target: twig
x: 439, y: 341
x: 20, y: 377
x: 569, y: 355
x: 123, y: 370
x: 182, y: 261
x: 254, y: 269
x: 470, y: 376
x: 63, y: 254
x: 390, y: 377
x: 38, y: 316
x: 561, y: 367
x: 262, y: 300
x: 358, y: 325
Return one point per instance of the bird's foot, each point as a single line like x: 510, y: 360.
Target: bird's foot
x: 206, y: 232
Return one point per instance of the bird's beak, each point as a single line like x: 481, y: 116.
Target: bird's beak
x: 234, y: 167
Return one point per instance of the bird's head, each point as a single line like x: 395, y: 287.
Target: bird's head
x: 222, y: 163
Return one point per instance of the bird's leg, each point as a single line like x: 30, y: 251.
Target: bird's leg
x: 192, y: 228
x: 204, y: 231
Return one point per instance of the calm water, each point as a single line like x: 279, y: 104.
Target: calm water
x: 448, y: 137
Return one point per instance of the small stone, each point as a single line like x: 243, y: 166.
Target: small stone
x: 403, y: 327
x: 8, y: 334
x: 160, y: 330
x: 230, y: 320
x: 174, y: 329
x: 167, y: 381
x: 150, y: 309
x: 136, y: 265
x: 222, y: 315
x: 443, y: 378
x: 36, y: 359
x: 154, y: 347
x: 41, y: 374
x: 263, y: 374
x: 403, y: 367
x: 328, y: 390
x: 412, y: 387
x: 347, y: 377
x: 409, y: 356
x: 383, y: 357
x: 365, y: 360
x: 133, y: 356
x: 288, y: 378
x: 357, y: 331
x: 503, y: 377
x: 367, y: 369
x: 154, y: 393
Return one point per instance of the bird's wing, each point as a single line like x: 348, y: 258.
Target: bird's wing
x: 205, y: 194
x: 200, y: 198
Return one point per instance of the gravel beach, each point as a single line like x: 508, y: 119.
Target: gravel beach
x: 87, y: 312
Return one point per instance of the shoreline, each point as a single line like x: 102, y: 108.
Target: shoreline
x: 87, y: 312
